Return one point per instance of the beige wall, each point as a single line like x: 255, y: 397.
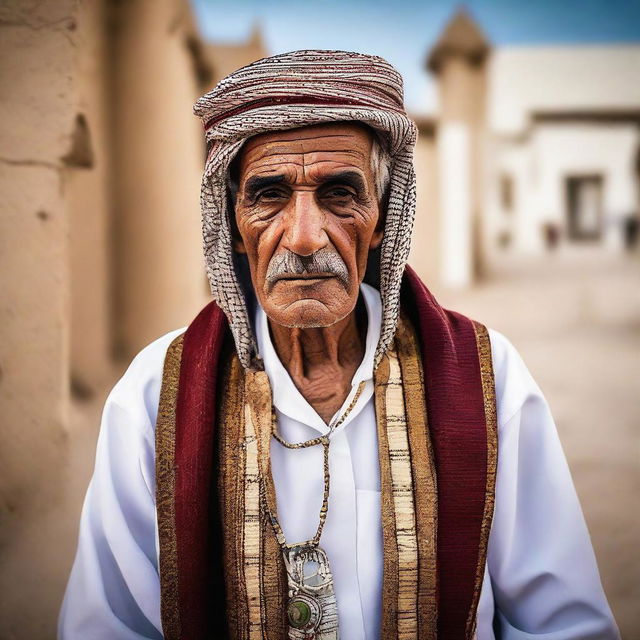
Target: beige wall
x: 37, y: 108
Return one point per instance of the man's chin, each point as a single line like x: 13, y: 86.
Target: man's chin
x: 307, y: 313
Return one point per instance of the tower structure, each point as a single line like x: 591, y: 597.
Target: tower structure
x: 458, y: 61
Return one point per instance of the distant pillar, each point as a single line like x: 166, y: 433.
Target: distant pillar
x: 458, y: 61
x: 425, y: 243
x: 454, y: 144
x: 160, y: 281
x: 88, y: 188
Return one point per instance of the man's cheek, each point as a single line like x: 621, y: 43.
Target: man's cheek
x: 266, y: 241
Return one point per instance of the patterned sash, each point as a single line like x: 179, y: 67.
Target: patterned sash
x: 254, y: 571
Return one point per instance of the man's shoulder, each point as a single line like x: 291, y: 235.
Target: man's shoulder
x: 514, y: 383
x: 150, y: 359
x: 141, y: 382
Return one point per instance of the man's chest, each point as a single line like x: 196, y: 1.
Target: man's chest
x: 352, y: 535
x: 298, y: 474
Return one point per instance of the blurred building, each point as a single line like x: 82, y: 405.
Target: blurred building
x: 100, y: 169
x: 533, y: 147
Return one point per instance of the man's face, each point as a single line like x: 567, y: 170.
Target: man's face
x: 307, y: 213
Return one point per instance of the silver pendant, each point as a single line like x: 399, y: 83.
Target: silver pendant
x: 312, y: 611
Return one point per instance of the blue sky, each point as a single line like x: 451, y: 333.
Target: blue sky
x: 402, y: 31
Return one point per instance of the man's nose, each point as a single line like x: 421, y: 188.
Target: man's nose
x: 305, y: 233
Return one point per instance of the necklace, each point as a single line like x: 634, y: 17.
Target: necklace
x: 312, y: 610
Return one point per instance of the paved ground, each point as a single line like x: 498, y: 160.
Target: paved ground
x: 575, y: 318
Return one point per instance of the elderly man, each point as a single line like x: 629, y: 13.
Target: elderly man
x: 334, y: 454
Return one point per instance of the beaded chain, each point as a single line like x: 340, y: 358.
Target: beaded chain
x: 324, y: 441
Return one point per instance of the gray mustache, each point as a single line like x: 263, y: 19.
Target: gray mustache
x: 322, y: 261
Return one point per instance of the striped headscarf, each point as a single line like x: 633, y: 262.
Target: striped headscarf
x: 287, y: 91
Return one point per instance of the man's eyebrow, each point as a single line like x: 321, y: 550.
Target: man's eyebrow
x: 352, y: 178
x: 254, y: 184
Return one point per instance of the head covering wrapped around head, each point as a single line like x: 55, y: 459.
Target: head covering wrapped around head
x: 287, y: 91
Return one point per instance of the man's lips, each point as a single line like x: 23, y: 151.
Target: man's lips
x: 306, y: 276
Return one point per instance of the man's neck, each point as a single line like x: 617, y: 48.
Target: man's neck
x: 322, y: 361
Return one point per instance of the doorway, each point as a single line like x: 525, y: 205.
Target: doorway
x: 584, y: 207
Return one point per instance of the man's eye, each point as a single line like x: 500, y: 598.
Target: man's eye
x: 270, y: 194
x: 339, y: 192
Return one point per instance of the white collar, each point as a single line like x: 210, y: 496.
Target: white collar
x: 286, y: 397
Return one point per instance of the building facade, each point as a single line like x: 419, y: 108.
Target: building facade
x: 538, y: 148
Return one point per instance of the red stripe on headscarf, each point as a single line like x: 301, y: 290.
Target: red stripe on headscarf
x: 290, y: 100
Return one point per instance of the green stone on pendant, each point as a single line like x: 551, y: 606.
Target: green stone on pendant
x: 299, y: 613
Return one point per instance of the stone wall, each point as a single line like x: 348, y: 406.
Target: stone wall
x: 38, y: 108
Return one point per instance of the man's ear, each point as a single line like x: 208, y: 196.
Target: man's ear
x: 376, y: 239
x: 378, y: 234
x: 237, y: 242
x: 238, y: 245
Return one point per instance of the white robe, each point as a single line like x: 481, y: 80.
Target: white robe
x: 541, y: 579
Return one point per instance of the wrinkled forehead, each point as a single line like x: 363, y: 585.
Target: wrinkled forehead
x: 346, y: 143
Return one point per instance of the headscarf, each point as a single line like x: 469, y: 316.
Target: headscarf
x: 287, y: 91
